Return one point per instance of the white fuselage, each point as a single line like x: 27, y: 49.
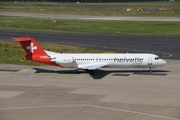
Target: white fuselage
x: 107, y: 60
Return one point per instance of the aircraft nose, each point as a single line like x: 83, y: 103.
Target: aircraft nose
x: 162, y: 62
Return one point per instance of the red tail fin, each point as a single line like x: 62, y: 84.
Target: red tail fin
x: 34, y: 51
x: 30, y: 46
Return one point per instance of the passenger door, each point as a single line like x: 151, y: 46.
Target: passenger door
x: 149, y: 61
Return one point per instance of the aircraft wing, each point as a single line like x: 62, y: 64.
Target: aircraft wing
x: 92, y: 66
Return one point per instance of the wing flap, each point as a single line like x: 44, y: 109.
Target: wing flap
x: 92, y: 66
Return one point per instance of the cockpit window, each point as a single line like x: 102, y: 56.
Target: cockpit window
x: 156, y: 58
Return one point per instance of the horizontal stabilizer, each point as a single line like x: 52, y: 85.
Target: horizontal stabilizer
x: 22, y: 39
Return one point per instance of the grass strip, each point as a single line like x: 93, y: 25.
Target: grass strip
x: 90, y: 26
x: 166, y: 9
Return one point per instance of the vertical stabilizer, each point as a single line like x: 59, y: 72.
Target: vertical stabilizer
x: 31, y: 47
x: 34, y: 51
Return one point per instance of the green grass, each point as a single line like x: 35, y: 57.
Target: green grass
x: 97, y: 9
x: 90, y: 26
x: 13, y: 53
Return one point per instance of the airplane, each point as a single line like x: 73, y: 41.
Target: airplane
x: 89, y: 62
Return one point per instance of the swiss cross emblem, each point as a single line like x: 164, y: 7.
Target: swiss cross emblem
x: 31, y: 48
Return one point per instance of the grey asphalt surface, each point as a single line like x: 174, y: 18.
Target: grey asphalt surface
x: 53, y: 16
x: 53, y: 93
x: 165, y: 46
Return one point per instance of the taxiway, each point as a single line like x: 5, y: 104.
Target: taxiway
x: 119, y: 18
x: 47, y: 92
x: 164, y: 46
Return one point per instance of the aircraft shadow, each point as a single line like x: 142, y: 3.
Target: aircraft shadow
x: 39, y: 70
x: 125, y: 73
x: 99, y: 74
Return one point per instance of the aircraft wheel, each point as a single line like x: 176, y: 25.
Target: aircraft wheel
x: 150, y: 70
x: 91, y: 72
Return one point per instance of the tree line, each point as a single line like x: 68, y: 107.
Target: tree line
x: 88, y: 1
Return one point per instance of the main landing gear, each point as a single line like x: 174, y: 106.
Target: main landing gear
x: 91, y: 72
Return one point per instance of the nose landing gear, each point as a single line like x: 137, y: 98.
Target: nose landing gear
x: 150, y: 71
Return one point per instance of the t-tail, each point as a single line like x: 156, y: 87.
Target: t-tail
x: 33, y: 50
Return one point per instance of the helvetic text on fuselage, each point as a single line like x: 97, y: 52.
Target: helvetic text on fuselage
x: 136, y: 59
